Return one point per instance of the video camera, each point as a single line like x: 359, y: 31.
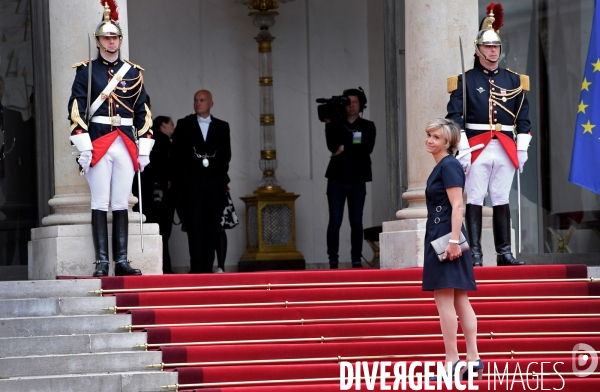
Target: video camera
x: 333, y: 108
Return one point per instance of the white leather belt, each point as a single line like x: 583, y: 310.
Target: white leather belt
x: 488, y: 127
x: 114, y: 121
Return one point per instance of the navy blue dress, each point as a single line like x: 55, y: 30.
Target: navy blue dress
x: 457, y: 273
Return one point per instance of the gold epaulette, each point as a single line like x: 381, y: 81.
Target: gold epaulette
x: 524, y: 79
x: 135, y: 65
x: 84, y: 62
x: 452, y: 83
x: 524, y: 82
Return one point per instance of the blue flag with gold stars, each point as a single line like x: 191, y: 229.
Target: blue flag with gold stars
x: 585, y: 161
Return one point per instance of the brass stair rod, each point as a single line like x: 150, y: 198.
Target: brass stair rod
x: 270, y: 286
x: 339, y: 359
x: 320, y: 321
x: 330, y: 379
x: 323, y: 339
x: 341, y: 301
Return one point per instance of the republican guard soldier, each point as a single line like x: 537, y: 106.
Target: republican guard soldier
x: 497, y: 116
x: 113, y: 136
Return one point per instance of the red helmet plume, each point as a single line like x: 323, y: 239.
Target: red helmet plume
x: 496, y: 8
x: 112, y: 4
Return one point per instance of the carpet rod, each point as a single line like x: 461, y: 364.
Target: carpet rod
x: 269, y: 286
x: 130, y: 327
x: 323, y: 339
x: 339, y: 359
x: 177, y: 387
x: 287, y: 304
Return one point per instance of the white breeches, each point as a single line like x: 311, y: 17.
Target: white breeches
x: 111, y: 178
x: 494, y: 169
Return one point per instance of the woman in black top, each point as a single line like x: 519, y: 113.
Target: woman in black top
x: 450, y: 278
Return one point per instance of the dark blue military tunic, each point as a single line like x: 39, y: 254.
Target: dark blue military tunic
x: 485, y: 108
x: 128, y: 100
x: 457, y: 273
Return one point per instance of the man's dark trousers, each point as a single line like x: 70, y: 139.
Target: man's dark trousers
x: 337, y: 193
x: 202, y: 233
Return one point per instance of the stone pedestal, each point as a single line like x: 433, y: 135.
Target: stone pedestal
x: 64, y: 246
x: 68, y: 250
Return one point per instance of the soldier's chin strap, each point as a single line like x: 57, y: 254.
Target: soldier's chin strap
x: 486, y: 59
x: 119, y: 48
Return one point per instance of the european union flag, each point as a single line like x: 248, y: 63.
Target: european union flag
x: 585, y: 161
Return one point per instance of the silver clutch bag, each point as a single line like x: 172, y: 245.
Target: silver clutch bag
x: 440, y: 244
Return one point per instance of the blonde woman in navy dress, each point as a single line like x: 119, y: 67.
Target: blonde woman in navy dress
x: 451, y: 278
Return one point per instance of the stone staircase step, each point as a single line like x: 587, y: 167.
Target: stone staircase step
x: 62, y: 325
x: 55, y: 336
x: 58, y: 306
x: 48, y: 288
x: 71, y: 344
x: 45, y: 365
x: 121, y: 382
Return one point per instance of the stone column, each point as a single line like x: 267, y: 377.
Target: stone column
x: 432, y: 55
x: 64, y: 246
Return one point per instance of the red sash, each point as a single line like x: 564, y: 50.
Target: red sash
x: 484, y: 138
x: 102, y: 144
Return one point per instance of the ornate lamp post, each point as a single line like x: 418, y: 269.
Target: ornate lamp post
x: 270, y: 223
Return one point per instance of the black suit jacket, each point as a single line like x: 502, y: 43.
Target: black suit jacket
x: 160, y: 171
x: 188, y: 141
x: 191, y: 177
x: 354, y: 163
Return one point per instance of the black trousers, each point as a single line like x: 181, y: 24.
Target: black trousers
x: 206, y: 209
x: 166, y: 210
x: 337, y: 193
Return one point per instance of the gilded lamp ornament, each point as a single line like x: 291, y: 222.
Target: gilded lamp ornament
x: 270, y: 211
x: 263, y: 5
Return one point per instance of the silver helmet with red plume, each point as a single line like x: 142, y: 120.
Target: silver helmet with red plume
x: 109, y: 26
x: 489, y: 30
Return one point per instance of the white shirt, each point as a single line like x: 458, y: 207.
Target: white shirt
x: 204, y: 123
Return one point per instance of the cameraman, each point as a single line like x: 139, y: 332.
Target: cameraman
x: 351, y: 140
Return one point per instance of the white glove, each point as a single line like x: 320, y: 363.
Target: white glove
x: 523, y: 140
x: 465, y: 161
x: 85, y: 159
x: 463, y: 144
x: 522, y: 156
x: 143, y: 160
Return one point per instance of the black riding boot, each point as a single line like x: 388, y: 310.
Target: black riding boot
x: 119, y: 244
x: 501, y: 226
x: 473, y: 226
x: 100, y: 239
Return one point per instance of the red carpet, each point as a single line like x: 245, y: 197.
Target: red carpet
x: 288, y: 331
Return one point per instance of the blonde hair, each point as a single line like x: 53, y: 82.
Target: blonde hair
x: 450, y: 131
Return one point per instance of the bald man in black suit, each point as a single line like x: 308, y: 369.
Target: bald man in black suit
x: 202, y: 151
